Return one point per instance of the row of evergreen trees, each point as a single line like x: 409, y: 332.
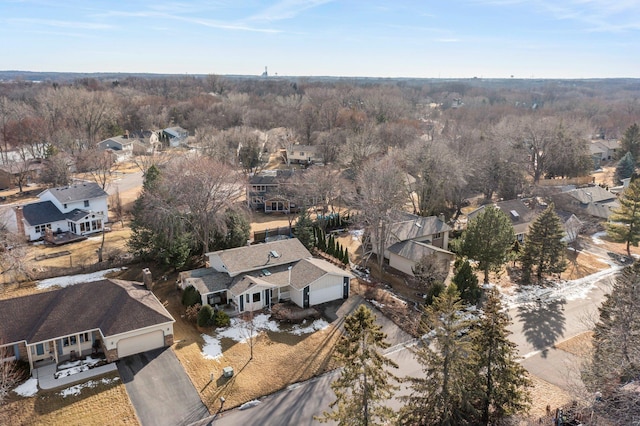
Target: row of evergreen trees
x: 470, y: 374
x: 330, y: 245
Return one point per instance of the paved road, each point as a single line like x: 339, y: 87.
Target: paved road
x: 160, y: 390
x: 125, y: 183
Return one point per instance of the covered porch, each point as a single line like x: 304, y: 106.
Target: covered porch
x: 67, y: 348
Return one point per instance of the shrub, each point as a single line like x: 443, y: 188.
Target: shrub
x: 221, y: 319
x: 205, y: 316
x: 192, y: 313
x: 191, y: 296
x: 434, y: 291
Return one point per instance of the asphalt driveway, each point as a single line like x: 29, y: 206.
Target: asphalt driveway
x: 160, y: 390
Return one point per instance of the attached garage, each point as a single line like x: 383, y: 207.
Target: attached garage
x: 326, y: 289
x: 142, y: 343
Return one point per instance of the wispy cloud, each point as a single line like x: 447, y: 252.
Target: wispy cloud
x: 287, y: 9
x: 59, y: 24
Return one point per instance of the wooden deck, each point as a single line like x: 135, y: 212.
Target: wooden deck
x: 65, y: 238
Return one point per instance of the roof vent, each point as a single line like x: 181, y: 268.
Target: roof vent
x: 515, y: 214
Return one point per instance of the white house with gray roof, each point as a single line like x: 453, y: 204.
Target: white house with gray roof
x: 78, y: 209
x: 254, y: 277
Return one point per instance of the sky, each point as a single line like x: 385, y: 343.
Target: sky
x: 366, y: 38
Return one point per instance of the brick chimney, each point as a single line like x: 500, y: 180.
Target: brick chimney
x: 147, y: 279
x: 19, y: 219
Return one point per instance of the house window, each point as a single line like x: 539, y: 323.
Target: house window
x: 65, y: 341
x: 301, y: 154
x: 246, y: 298
x: 438, y: 235
x: 256, y: 297
x: 257, y: 200
x: 258, y: 188
x: 86, y: 203
x: 82, y: 227
x: 65, y: 206
x: 84, y: 337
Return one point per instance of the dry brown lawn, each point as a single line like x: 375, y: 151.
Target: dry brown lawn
x: 579, y: 345
x: 101, y: 405
x: 544, y: 393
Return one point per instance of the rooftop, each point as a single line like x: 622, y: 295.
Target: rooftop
x: 76, y: 192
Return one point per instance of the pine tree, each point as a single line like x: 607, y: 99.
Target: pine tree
x: 616, y: 357
x: 331, y: 247
x: 467, y: 283
x: 305, y: 230
x: 366, y: 382
x: 445, y: 393
x: 624, y: 222
x: 626, y: 166
x: 503, y: 382
x: 488, y: 239
x: 345, y: 258
x: 630, y: 141
x: 543, y: 246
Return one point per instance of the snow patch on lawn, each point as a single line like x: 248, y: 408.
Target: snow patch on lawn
x: 212, y: 349
x: 77, y: 389
x: 28, y: 388
x: 317, y: 325
x: 75, y: 279
x: 596, y: 237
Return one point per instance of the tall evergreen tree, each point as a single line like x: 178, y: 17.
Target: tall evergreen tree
x: 445, y: 393
x: 626, y: 166
x: 616, y: 340
x: 366, y: 382
x: 487, y: 240
x: 630, y: 141
x: 305, y: 230
x: 624, y: 222
x: 544, y: 249
x: 503, y: 382
x: 467, y: 282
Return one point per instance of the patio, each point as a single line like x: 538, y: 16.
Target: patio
x: 45, y: 373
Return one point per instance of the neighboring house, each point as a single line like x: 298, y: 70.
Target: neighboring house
x: 119, y: 318
x: 78, y: 209
x: 520, y: 215
x: 264, y: 192
x: 28, y: 170
x: 604, y: 150
x: 592, y: 201
x: 412, y: 237
x: 303, y: 154
x: 254, y: 277
x: 121, y: 146
x: 174, y: 136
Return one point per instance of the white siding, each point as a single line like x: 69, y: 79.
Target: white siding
x: 401, y: 264
x: 216, y: 263
x: 30, y: 231
x: 296, y: 296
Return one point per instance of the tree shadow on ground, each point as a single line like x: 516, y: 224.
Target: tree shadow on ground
x: 543, y: 323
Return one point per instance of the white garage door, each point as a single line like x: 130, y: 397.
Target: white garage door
x: 318, y: 296
x: 142, y: 343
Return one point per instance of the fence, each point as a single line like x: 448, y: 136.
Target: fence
x: 273, y: 234
x: 580, y: 180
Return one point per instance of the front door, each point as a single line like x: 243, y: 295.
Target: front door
x: 241, y: 302
x: 345, y: 287
x: 305, y: 297
x: 267, y: 297
x: 40, y: 349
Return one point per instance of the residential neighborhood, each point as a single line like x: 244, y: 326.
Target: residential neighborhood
x: 251, y: 252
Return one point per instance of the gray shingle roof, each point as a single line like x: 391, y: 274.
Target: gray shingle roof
x: 77, y: 192
x: 417, y: 227
x: 256, y: 257
x: 415, y: 250
x: 76, y: 214
x: 41, y: 213
x: 113, y: 306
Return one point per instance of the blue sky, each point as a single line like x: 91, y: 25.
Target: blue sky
x: 429, y: 38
